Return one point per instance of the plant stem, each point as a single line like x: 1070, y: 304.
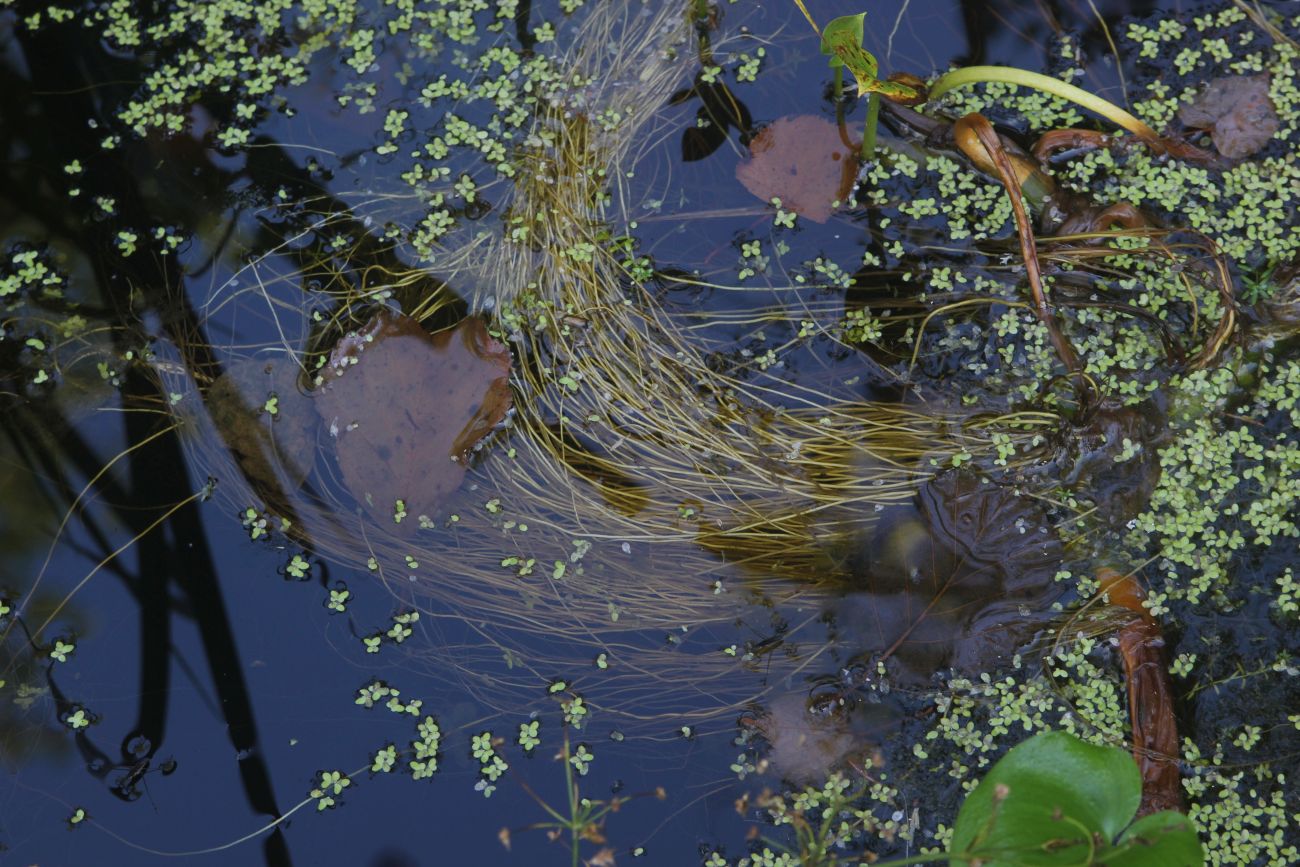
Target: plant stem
x: 808, y: 15
x: 1084, y: 387
x: 1023, y: 77
x: 575, y: 826
x: 869, y: 130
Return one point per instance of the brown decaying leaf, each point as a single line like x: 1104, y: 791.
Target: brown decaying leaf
x: 603, y: 858
x: 1238, y: 113
x: 801, y: 161
x: 406, y: 408
x: 945, y: 583
x: 1150, y: 697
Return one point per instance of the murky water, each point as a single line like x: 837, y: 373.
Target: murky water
x: 258, y: 573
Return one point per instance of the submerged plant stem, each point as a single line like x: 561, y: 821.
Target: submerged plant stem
x: 1084, y: 388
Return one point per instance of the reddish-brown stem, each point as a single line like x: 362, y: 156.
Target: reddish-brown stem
x: 1075, y: 139
x: 1150, y: 697
x: 988, y: 137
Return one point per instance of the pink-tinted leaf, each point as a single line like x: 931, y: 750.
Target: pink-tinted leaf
x: 801, y: 161
x: 1238, y: 113
x: 406, y: 407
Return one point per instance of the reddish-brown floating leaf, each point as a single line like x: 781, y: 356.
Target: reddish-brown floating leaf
x: 406, y: 407
x: 801, y: 161
x: 1238, y: 113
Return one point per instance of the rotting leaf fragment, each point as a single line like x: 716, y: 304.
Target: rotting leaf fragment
x: 1237, y: 112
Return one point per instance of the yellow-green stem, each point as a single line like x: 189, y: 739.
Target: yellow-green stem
x: 1024, y: 78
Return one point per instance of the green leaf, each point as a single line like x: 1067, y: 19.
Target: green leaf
x: 847, y: 30
x: 842, y: 43
x: 1166, y: 839
x: 1049, y: 801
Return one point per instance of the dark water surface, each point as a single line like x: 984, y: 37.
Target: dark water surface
x: 220, y: 688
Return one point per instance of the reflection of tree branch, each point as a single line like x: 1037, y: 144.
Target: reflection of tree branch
x: 59, y: 133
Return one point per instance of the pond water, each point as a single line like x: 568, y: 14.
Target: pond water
x: 380, y: 380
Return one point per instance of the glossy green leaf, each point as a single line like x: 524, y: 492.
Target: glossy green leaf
x: 1052, y: 800
x: 1166, y: 839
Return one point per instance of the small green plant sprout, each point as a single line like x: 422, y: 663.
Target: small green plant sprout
x: 61, y: 650
x: 373, y: 693
x: 78, y: 816
x: 385, y: 759
x: 255, y: 522
x: 528, y: 735
x: 338, y: 599
x: 483, y: 747
x: 1057, y: 800
x: 332, y: 783
x: 424, y: 751
x: 585, y: 819
x: 77, y: 718
x: 842, y: 42
x: 402, y: 628
x: 298, y: 568
x: 575, y: 711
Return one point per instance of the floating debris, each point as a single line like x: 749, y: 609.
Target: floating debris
x: 405, y: 409
x: 955, y: 581
x: 1238, y: 113
x: 803, y: 162
x: 1156, y: 746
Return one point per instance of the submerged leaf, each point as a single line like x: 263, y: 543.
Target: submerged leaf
x: 1238, y: 113
x: 720, y: 112
x: 801, y: 161
x: 406, y: 408
x: 803, y: 746
x: 949, y: 581
x: 275, y: 450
